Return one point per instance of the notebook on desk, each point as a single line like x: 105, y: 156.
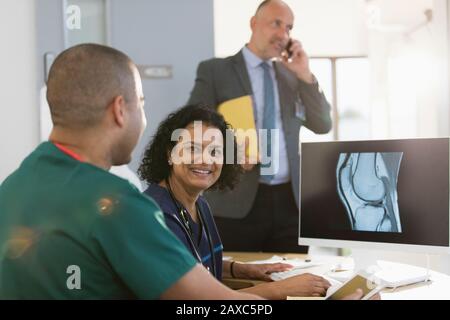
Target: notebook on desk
x: 394, y: 275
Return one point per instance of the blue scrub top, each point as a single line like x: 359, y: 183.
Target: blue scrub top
x: 173, y: 220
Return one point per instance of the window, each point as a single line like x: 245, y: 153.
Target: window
x: 345, y: 83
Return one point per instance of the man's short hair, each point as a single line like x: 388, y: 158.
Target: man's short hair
x: 84, y: 80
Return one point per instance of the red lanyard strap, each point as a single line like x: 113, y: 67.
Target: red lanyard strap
x: 69, y: 152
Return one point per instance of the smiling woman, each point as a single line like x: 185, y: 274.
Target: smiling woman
x: 172, y: 144
x: 197, y: 163
x: 186, y: 158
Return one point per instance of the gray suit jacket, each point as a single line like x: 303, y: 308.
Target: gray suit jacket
x: 219, y: 80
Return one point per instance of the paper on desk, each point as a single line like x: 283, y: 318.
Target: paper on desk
x: 238, y: 113
x: 296, y: 263
x: 273, y: 259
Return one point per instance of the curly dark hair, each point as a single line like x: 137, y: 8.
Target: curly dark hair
x: 155, y: 167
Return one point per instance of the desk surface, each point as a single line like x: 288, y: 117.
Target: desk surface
x: 437, y: 289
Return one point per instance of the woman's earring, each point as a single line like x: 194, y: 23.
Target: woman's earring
x: 169, y: 162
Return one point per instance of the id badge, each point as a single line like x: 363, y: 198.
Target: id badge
x: 300, y: 112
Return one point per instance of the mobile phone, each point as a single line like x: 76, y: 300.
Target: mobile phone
x: 288, y: 48
x: 362, y: 281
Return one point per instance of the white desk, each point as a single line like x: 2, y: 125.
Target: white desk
x: 437, y: 289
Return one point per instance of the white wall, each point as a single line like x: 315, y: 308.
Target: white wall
x: 409, y: 95
x: 18, y: 95
x: 178, y: 33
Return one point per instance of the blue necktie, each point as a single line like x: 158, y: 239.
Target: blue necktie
x: 268, y: 117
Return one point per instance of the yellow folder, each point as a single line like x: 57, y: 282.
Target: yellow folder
x: 238, y: 113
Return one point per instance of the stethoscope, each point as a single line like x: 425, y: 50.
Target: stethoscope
x: 183, y: 213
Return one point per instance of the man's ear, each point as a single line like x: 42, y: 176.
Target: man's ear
x: 252, y: 23
x: 118, y: 110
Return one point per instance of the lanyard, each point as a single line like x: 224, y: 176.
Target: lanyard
x: 69, y: 152
x: 183, y: 213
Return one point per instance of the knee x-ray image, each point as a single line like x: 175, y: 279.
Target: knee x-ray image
x: 367, y: 186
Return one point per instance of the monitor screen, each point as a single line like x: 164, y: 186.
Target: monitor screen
x: 383, y: 192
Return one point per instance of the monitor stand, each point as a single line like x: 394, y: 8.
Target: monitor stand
x: 391, y: 274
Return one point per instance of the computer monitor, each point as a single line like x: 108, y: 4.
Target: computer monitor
x: 384, y: 194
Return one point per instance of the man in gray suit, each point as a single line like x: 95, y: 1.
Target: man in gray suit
x: 261, y: 214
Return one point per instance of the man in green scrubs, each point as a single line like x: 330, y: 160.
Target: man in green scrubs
x: 71, y: 230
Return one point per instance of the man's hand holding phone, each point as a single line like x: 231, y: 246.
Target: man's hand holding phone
x: 296, y: 60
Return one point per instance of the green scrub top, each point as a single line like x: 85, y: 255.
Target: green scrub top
x: 70, y: 230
